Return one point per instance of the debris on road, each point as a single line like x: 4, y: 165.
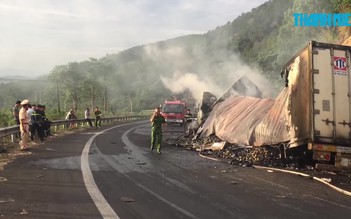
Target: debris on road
x: 24, y: 212
x: 233, y: 183
x: 127, y: 199
x: 326, y: 179
x: 237, y: 154
x: 214, y: 148
x: 6, y: 200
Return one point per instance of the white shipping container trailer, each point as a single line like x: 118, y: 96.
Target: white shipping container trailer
x: 320, y: 81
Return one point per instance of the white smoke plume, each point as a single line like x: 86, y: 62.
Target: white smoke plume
x: 207, y: 75
x: 190, y: 81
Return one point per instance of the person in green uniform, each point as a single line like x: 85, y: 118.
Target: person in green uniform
x: 157, y: 125
x: 97, y: 114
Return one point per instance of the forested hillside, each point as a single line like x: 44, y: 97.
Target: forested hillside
x: 258, y: 43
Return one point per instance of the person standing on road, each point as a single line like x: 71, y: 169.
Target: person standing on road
x: 24, y: 125
x: 71, y: 116
x: 188, y: 114
x: 97, y: 114
x: 87, y: 117
x: 188, y: 120
x: 15, y: 111
x: 46, y: 122
x: 37, y: 124
x: 29, y: 113
x: 157, y: 127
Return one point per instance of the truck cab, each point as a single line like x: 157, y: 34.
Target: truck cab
x: 174, y: 112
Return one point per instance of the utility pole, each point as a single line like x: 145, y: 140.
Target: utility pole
x: 131, y: 104
x: 93, y: 97
x: 105, y: 94
x: 37, y: 96
x: 105, y: 100
x: 58, y: 97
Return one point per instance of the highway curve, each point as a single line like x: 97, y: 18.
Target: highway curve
x: 111, y: 173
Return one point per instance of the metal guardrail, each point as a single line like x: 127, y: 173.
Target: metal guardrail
x: 14, y: 130
x: 9, y: 131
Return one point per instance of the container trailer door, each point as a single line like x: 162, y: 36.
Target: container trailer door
x: 331, y: 94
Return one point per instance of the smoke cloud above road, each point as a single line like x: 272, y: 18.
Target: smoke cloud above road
x: 196, y: 72
x: 181, y: 82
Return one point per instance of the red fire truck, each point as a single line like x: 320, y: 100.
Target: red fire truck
x: 174, y: 111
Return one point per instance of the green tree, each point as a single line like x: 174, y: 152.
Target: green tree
x: 70, y: 78
x: 292, y: 39
x: 342, y: 6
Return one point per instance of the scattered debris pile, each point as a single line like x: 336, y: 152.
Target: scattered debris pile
x: 188, y: 141
x: 245, y: 156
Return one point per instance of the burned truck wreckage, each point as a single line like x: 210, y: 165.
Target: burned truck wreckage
x: 309, y: 121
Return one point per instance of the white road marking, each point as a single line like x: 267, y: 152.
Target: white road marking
x: 99, y: 200
x: 330, y: 202
x: 127, y: 142
x: 111, y: 162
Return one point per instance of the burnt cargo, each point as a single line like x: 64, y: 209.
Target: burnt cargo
x: 313, y: 110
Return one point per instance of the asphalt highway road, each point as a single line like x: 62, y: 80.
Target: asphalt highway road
x: 111, y: 173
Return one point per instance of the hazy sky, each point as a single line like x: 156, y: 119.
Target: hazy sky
x: 36, y: 35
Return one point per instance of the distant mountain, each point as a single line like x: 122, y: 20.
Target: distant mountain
x: 15, y: 77
x: 15, y: 73
x: 259, y: 42
x: 213, y: 60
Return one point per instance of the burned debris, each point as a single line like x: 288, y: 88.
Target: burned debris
x: 306, y: 117
x: 247, y: 130
x: 239, y: 155
x: 223, y: 132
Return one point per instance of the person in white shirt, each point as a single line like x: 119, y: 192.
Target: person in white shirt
x: 87, y: 117
x: 71, y: 116
x: 29, y: 113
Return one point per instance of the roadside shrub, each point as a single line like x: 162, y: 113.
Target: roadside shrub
x: 6, y: 118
